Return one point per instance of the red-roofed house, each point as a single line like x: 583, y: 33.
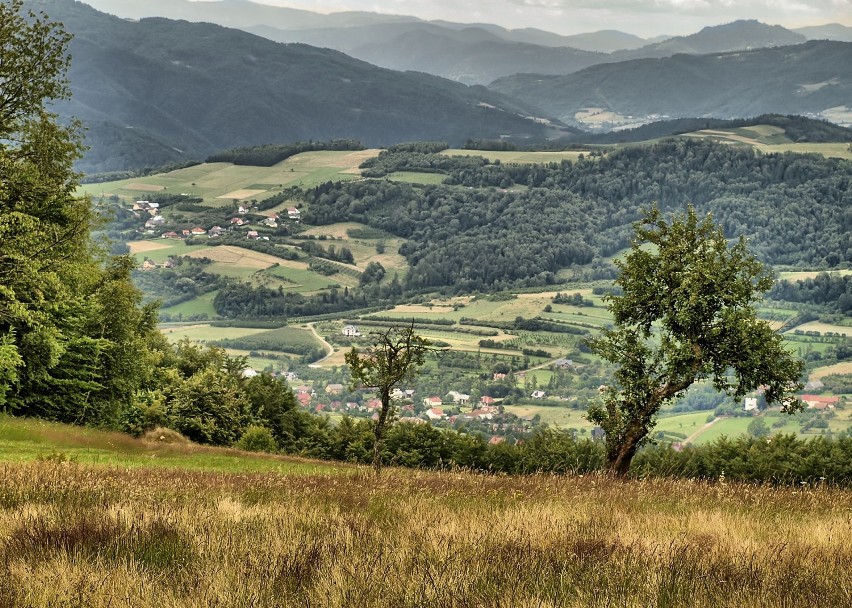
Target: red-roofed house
x: 435, y: 413
x: 303, y: 398
x: 486, y: 400
x: 432, y: 401
x: 197, y: 231
x: 819, y: 402
x: 495, y: 440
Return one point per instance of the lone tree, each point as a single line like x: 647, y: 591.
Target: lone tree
x: 392, y: 359
x: 686, y: 314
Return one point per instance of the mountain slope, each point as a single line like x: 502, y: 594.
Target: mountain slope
x: 180, y: 90
x: 736, y: 36
x: 801, y: 79
x: 830, y: 31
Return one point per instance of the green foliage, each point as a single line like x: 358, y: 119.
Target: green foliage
x: 74, y: 337
x: 686, y: 313
x: 392, y: 358
x: 257, y: 439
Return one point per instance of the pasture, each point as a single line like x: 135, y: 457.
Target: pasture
x: 221, y: 183
x: 773, y: 140
x: 311, y: 534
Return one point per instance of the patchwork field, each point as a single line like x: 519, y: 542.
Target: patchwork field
x: 219, y: 182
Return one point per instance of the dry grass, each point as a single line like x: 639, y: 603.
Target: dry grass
x: 78, y: 536
x: 241, y: 194
x: 146, y: 246
x: 237, y: 256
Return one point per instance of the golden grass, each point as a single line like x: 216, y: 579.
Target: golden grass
x: 146, y: 246
x: 823, y: 328
x: 241, y: 194
x: 838, y: 368
x: 237, y: 256
x: 144, y: 187
x: 72, y: 535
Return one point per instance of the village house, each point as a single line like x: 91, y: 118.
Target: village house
x: 198, y: 231
x: 214, y: 232
x: 170, y: 263
x: 819, y: 402
x: 303, y: 398
x: 435, y: 413
x: 334, y: 389
x: 374, y: 404
x: 238, y: 221
x: 303, y: 389
x: 482, y: 414
x: 242, y: 210
x: 270, y: 222
x: 141, y: 206
x: 538, y: 395
x: 430, y: 402
x: 750, y: 404
x: 496, y: 439
x: 459, y: 398
x: 351, y: 331
x: 149, y: 265
x: 186, y: 233
x: 252, y: 234
x: 564, y: 364
x: 499, y: 376
x: 290, y: 376
x: 294, y: 214
x: 486, y: 400
x: 171, y: 235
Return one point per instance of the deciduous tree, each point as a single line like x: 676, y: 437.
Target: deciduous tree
x: 686, y: 313
x: 392, y: 359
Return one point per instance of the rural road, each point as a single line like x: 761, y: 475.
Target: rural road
x: 328, y: 346
x: 702, y: 429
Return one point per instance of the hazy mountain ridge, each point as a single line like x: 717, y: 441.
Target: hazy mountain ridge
x: 800, y: 79
x: 472, y: 53
x: 171, y: 90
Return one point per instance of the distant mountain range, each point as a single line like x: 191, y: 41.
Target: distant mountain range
x: 468, y: 53
x: 158, y: 91
x: 801, y: 79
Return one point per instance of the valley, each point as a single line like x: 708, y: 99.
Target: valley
x: 479, y: 333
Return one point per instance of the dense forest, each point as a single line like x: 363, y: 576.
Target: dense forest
x: 497, y: 226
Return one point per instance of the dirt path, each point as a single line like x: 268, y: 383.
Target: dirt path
x: 328, y: 346
x: 702, y: 429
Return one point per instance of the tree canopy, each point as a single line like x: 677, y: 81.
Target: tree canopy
x: 686, y: 313
x: 72, y: 332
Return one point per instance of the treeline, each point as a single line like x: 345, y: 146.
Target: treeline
x: 520, y: 323
x: 832, y: 291
x: 272, y: 154
x: 792, y: 208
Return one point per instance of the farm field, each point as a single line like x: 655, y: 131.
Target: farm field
x: 315, y: 534
x: 220, y: 183
x: 772, y: 139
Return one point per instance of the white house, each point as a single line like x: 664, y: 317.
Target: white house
x: 750, y: 404
x: 538, y: 395
x: 351, y: 331
x: 458, y: 397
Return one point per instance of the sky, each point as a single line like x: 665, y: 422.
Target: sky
x: 644, y: 18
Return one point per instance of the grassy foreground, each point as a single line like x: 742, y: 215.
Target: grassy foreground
x: 88, y: 535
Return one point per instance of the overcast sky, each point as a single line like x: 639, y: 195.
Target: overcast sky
x: 641, y: 17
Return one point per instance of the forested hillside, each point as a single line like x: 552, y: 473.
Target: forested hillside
x: 796, y: 79
x: 158, y: 91
x: 794, y: 209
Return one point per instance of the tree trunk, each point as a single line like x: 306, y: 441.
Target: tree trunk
x: 380, y: 432
x: 618, y: 458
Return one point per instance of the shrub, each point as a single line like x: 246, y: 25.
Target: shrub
x: 257, y: 439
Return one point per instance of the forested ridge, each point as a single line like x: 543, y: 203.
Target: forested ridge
x: 794, y: 209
